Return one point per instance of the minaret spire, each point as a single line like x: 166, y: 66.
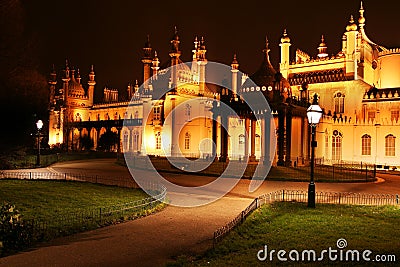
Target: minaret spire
x: 361, y: 20
x: 266, y: 50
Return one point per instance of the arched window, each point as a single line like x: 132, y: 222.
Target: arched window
x: 125, y: 142
x: 187, y: 141
x: 258, y: 142
x: 188, y: 110
x: 336, y: 145
x: 366, y: 145
x: 241, y: 142
x: 326, y: 144
x: 136, y: 115
x: 390, y: 145
x: 158, y: 140
x: 135, y: 141
x: 338, y: 100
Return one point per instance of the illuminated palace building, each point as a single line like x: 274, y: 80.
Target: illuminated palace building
x: 358, y: 89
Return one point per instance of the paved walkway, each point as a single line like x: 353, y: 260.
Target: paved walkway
x: 158, y: 238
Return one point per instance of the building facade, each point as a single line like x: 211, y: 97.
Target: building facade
x: 358, y: 89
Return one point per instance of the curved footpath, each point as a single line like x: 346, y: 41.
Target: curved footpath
x: 156, y: 239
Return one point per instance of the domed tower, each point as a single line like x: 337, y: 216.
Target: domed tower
x: 322, y: 49
x: 235, y: 70
x: 175, y: 54
x: 350, y: 48
x: 147, y: 61
x: 285, y: 54
x: 274, y: 86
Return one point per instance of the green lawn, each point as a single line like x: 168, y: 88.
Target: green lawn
x: 42, y: 200
x: 51, y: 209
x: 288, y: 226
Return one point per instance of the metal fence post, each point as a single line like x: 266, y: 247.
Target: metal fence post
x: 333, y: 171
x: 65, y: 176
x: 30, y: 175
x: 100, y: 216
x: 283, y: 195
x: 374, y: 171
x: 397, y: 199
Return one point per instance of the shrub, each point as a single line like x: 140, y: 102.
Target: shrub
x: 15, y: 234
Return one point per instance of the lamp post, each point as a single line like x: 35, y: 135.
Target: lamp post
x: 39, y: 125
x: 314, y: 114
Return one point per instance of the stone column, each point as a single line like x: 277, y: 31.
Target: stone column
x: 266, y: 139
x: 288, y: 160
x: 246, y: 138
x: 253, y: 141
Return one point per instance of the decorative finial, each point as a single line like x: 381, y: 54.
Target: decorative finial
x: 352, y: 26
x: 361, y: 20
x: 92, y: 68
x: 147, y: 44
x: 176, y: 30
x: 285, y: 38
x: 266, y: 49
x: 66, y: 64
x: 53, y: 68
x: 196, y: 43
x: 155, y: 54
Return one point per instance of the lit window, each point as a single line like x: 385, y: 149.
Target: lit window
x: 258, y: 142
x: 390, y: 145
x: 125, y: 141
x: 366, y: 145
x: 395, y: 115
x: 241, y: 142
x: 187, y: 141
x: 339, y: 103
x: 336, y: 145
x: 371, y: 115
x: 157, y: 113
x: 135, y: 141
x: 136, y: 115
x: 158, y: 140
x: 326, y: 144
x: 188, y: 110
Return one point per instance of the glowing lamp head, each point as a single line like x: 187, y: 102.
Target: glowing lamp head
x: 314, y: 112
x: 39, y: 124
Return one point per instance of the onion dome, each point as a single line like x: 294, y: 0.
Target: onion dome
x: 285, y: 38
x: 273, y: 85
x: 352, y: 26
x: 235, y: 63
x: 322, y: 49
x: 74, y: 87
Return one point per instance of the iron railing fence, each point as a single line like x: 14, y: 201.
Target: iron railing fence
x: 65, y: 223
x: 346, y: 198
x: 78, y: 221
x: 341, y: 172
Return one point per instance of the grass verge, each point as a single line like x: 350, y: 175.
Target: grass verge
x: 60, y: 208
x: 292, y: 226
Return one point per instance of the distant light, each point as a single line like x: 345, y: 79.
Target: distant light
x: 39, y: 124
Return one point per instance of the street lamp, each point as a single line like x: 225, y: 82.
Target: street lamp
x: 39, y: 125
x: 314, y: 114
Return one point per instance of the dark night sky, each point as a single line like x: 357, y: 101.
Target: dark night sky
x: 111, y: 34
